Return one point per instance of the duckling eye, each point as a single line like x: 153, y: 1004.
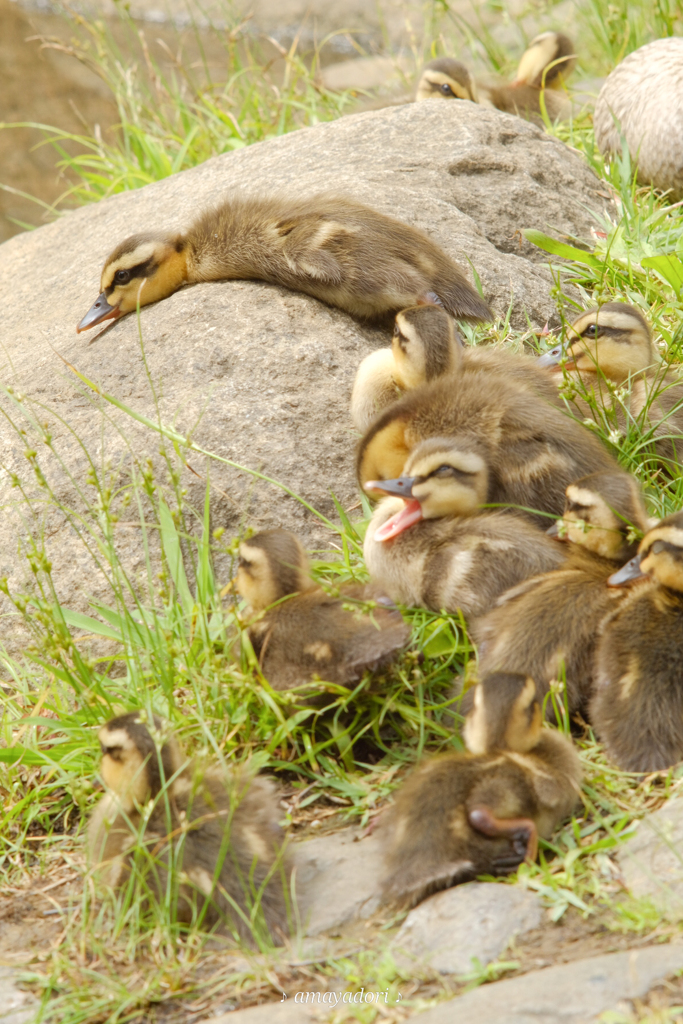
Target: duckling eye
x: 446, y: 470
x: 243, y: 563
x: 446, y: 89
x: 113, y: 752
x: 122, y: 276
x: 592, y: 331
x: 574, y: 506
x: 657, y: 547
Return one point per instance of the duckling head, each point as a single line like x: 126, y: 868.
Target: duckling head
x: 660, y: 556
x: 425, y: 345
x: 446, y: 79
x: 604, y: 513
x: 614, y: 340
x: 548, y: 59
x: 272, y: 565
x: 142, y: 269
x: 134, y: 764
x: 442, y: 477
x: 506, y: 714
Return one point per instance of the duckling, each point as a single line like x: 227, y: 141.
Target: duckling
x: 465, y: 814
x: 426, y: 345
x: 547, y: 626
x: 227, y: 844
x: 299, y: 632
x: 642, y: 100
x: 546, y: 63
x: 637, y: 709
x: 328, y: 246
x: 614, y: 343
x: 445, y: 78
x: 434, y: 547
x: 532, y: 451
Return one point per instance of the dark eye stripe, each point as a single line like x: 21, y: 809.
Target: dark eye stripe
x: 141, y: 270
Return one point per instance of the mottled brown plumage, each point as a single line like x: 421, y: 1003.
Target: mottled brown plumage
x: 547, y: 626
x: 465, y: 814
x: 299, y: 632
x: 531, y: 449
x: 435, y: 548
x: 328, y: 246
x: 426, y: 346
x: 222, y: 828
x: 637, y: 710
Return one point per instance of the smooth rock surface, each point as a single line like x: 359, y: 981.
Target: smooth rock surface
x: 574, y: 993
x: 16, y: 1006
x: 651, y: 861
x: 337, y: 880
x: 473, y: 921
x: 259, y: 375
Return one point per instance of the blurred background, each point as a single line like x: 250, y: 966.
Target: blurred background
x: 100, y: 96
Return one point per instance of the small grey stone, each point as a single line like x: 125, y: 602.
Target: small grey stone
x: 651, y: 861
x: 476, y: 920
x: 18, y: 1007
x: 574, y: 993
x: 337, y: 880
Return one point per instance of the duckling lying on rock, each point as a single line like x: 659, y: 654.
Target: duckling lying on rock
x: 299, y: 632
x: 547, y: 626
x: 432, y: 546
x: 637, y: 709
x: 328, y: 246
x: 426, y: 346
x: 461, y: 815
x: 220, y: 831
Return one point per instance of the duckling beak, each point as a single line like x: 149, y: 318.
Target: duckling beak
x: 402, y: 487
x: 554, y: 530
x: 411, y: 512
x: 98, y: 312
x: 628, y: 572
x: 553, y: 357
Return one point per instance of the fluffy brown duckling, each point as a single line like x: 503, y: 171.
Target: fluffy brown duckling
x: 614, y: 343
x: 637, y: 709
x: 461, y: 815
x: 223, y: 830
x: 531, y: 450
x: 328, y: 246
x: 433, y: 546
x: 299, y: 632
x: 426, y: 346
x: 448, y: 79
x: 545, y: 65
x: 547, y: 626
x: 612, y: 347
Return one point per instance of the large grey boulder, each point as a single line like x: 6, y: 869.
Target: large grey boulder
x: 260, y: 375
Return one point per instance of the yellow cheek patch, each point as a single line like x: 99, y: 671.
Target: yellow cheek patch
x: 384, y: 456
